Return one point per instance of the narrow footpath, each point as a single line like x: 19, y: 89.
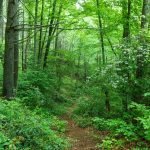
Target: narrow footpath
x: 81, y: 138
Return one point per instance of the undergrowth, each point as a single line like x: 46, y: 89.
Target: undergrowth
x: 21, y: 128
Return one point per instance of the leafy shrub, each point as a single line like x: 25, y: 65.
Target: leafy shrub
x: 135, y: 127
x: 37, y: 88
x: 32, y: 97
x: 22, y: 128
x: 89, y: 107
x: 110, y: 143
x: 100, y: 123
x: 118, y: 127
x: 93, y: 103
x: 82, y: 122
x: 4, y: 140
x: 141, y: 118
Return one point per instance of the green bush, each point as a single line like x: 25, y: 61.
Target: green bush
x: 82, y: 122
x: 32, y: 97
x: 134, y: 127
x: 100, y: 123
x: 38, y: 88
x: 22, y: 128
x: 110, y: 143
x: 141, y: 118
x: 4, y: 140
x: 118, y: 127
x: 90, y: 107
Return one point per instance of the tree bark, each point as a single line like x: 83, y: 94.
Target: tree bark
x: 35, y: 28
x: 45, y: 35
x: 145, y: 14
x: 126, y: 15
x: 1, y: 19
x: 107, y: 101
x: 23, y: 36
x: 101, y: 31
x: 126, y: 9
x: 40, y: 39
x: 138, y: 94
x: 85, y: 69
x: 16, y: 49
x: 10, y: 45
x: 50, y: 34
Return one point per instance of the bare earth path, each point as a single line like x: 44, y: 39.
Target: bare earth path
x: 81, y: 138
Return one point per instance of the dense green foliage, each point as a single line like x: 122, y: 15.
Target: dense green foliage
x: 22, y: 128
x: 88, y: 58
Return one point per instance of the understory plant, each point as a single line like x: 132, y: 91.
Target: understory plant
x: 21, y: 128
x: 133, y: 128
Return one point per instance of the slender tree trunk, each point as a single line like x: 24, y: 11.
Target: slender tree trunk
x: 85, y: 69
x: 107, y: 102
x: 27, y: 47
x: 45, y: 35
x: 138, y: 95
x: 35, y: 28
x: 1, y: 19
x: 101, y: 32
x: 125, y: 101
x: 50, y: 34
x: 22, y: 46
x: 10, y: 45
x: 126, y: 9
x: 78, y: 75
x: 126, y: 15
x: 57, y: 62
x: 111, y: 45
x: 26, y: 54
x: 145, y: 14
x: 57, y: 30
x: 58, y: 46
x: 40, y: 39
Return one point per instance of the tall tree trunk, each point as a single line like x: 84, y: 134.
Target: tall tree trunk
x: 145, y: 14
x: 58, y: 46
x: 85, y: 69
x: 50, y: 34
x: 22, y: 46
x: 45, y: 35
x: 10, y: 45
x: 126, y: 15
x: 138, y: 95
x: 101, y: 32
x: 16, y: 48
x: 27, y: 46
x: 1, y: 19
x: 35, y: 28
x: 58, y: 62
x: 40, y: 52
x: 126, y: 9
x: 107, y: 101
x: 78, y: 72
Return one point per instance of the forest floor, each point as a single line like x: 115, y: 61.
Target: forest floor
x: 85, y: 138
x: 81, y: 138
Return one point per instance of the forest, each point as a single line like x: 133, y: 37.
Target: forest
x: 74, y: 74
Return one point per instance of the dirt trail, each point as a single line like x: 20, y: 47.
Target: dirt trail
x: 81, y: 138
